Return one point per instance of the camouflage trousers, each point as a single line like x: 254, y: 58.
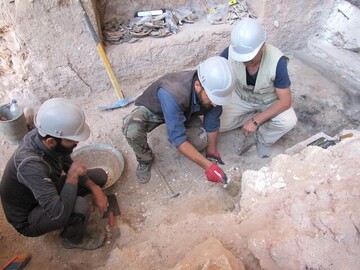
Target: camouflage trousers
x: 141, y: 121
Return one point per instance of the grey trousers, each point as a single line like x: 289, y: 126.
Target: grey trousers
x: 239, y: 111
x: 39, y: 222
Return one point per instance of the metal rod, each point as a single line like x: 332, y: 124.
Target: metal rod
x: 173, y: 194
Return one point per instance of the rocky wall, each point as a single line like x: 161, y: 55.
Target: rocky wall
x: 56, y: 56
x: 311, y: 220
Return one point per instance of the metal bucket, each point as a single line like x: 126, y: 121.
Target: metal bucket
x: 13, y: 129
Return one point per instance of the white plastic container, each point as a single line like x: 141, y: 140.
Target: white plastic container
x: 15, y: 110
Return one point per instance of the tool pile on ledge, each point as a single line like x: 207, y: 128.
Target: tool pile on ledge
x: 325, y: 143
x: 162, y: 23
x: 116, y: 31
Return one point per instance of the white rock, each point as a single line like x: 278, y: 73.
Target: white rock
x: 279, y: 185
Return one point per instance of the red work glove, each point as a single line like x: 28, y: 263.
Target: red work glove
x: 215, y: 157
x: 215, y: 174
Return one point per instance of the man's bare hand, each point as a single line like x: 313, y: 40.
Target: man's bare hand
x: 249, y: 128
x: 76, y: 169
x: 99, y: 200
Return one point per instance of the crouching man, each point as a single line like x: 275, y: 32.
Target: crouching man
x: 42, y: 187
x: 177, y: 100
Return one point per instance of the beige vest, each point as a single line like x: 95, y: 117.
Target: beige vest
x: 264, y: 91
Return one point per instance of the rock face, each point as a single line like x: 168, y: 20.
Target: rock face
x: 47, y: 49
x: 298, y: 212
x: 309, y: 204
x: 54, y: 54
x: 209, y: 255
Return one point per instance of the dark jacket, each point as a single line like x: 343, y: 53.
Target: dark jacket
x: 179, y: 84
x: 32, y: 177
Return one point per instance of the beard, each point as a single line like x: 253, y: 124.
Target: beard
x: 207, y: 106
x: 203, y: 103
x: 59, y: 148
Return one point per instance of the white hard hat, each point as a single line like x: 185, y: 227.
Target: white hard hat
x: 218, y: 79
x: 247, y: 37
x: 60, y: 118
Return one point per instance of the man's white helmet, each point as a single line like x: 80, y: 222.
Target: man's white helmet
x: 218, y: 79
x: 247, y: 37
x: 60, y: 118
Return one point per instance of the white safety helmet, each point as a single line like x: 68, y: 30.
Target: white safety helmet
x: 247, y: 37
x: 218, y: 79
x: 60, y: 118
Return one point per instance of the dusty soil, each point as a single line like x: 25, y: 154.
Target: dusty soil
x: 155, y: 231
x: 295, y: 210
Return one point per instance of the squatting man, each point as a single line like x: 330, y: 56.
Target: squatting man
x: 262, y: 103
x: 177, y: 100
x: 42, y: 188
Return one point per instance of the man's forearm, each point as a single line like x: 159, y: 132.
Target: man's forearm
x: 269, y: 113
x: 90, y: 185
x: 99, y: 197
x: 212, y: 143
x: 189, y: 151
x: 281, y: 105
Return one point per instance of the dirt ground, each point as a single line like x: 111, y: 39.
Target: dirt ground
x: 155, y: 231
x: 297, y: 209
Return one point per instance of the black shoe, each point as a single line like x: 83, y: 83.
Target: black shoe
x: 143, y: 172
x: 90, y: 241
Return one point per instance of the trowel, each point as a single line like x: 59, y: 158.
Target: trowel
x: 248, y: 142
x: 231, y: 187
x: 325, y: 143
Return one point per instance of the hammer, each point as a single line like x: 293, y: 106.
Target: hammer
x: 172, y: 193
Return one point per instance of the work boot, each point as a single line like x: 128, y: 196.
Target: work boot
x: 90, y: 241
x: 143, y: 172
x: 263, y: 150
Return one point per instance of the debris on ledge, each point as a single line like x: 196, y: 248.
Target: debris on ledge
x: 162, y: 23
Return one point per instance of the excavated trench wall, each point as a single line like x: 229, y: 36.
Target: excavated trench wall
x: 46, y: 48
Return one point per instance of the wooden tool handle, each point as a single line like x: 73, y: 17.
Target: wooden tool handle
x: 111, y: 219
x: 347, y: 135
x: 102, y: 53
